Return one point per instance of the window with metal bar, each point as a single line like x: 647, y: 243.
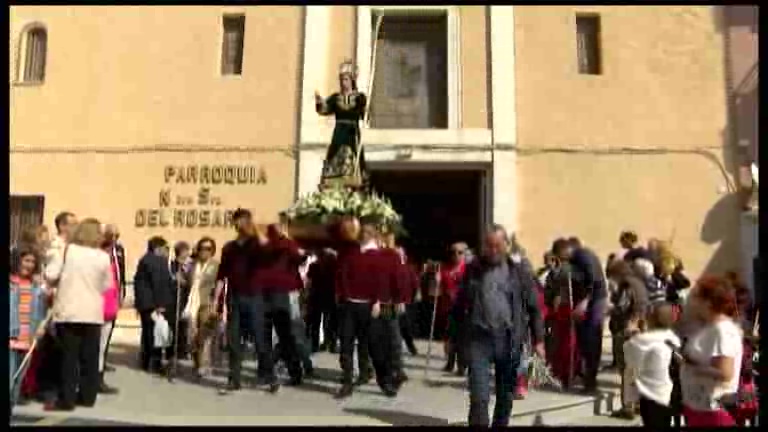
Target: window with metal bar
x: 232, y: 45
x: 410, y: 72
x: 36, y: 50
x: 588, y: 44
x: 24, y: 211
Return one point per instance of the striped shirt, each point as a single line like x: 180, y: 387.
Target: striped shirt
x: 25, y: 310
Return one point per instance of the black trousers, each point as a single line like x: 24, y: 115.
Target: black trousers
x: 386, y: 353
x: 182, y: 349
x: 406, y: 329
x: 109, y: 341
x: 79, y: 363
x: 655, y: 416
x: 305, y: 358
x: 253, y: 314
x: 49, y: 378
x: 355, y: 326
x: 320, y: 308
x: 457, y: 354
x: 676, y: 400
x: 589, y: 336
x: 300, y: 353
x: 150, y: 356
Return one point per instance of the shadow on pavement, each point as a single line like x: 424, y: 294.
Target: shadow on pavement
x: 34, y: 421
x: 124, y: 355
x: 398, y: 418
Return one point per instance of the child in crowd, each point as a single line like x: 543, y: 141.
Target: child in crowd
x: 27, y: 312
x: 649, y: 355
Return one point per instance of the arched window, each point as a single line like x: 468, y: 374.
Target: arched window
x: 33, y: 53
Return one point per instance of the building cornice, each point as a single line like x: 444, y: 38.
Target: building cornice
x: 160, y: 148
x: 408, y: 137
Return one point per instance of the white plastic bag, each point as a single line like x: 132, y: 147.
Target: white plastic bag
x: 162, y: 333
x: 295, y: 305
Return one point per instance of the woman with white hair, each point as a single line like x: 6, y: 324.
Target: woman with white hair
x: 646, y: 270
x: 83, y: 275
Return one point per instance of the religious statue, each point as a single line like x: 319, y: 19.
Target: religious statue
x: 344, y: 163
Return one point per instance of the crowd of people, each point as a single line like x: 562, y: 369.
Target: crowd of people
x: 65, y: 294
x: 682, y: 350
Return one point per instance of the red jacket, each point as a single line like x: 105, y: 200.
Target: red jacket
x: 450, y: 278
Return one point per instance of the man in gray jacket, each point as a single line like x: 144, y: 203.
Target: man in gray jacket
x: 498, y: 299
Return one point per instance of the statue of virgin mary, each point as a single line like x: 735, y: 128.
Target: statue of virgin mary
x: 344, y: 164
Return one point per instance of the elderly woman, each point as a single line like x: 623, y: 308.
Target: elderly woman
x: 199, y: 309
x: 712, y: 357
x: 83, y: 275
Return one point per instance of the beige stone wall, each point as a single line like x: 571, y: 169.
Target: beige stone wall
x: 150, y: 76
x: 663, y: 83
x: 342, y: 43
x: 663, y: 87
x: 475, y: 71
x: 114, y: 187
x: 596, y: 197
x: 130, y: 90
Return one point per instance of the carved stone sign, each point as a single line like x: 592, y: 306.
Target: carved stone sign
x: 204, y: 209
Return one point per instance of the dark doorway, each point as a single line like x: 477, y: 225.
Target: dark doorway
x: 438, y: 207
x: 24, y: 211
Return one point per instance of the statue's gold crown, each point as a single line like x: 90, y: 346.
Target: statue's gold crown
x: 348, y: 67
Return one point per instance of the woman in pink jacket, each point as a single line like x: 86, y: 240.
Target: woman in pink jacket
x: 111, y: 307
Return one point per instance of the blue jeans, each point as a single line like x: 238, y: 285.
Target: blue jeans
x: 247, y: 315
x: 14, y: 362
x: 486, y: 348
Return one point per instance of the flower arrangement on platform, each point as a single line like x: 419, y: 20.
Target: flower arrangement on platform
x: 540, y: 374
x: 328, y: 206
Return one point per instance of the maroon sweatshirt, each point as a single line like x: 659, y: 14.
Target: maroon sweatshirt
x: 391, y: 277
x: 276, y: 267
x: 235, y: 266
x: 355, y: 278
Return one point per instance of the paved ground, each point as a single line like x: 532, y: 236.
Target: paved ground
x: 435, y: 399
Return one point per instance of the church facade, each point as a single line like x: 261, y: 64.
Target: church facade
x: 552, y: 120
